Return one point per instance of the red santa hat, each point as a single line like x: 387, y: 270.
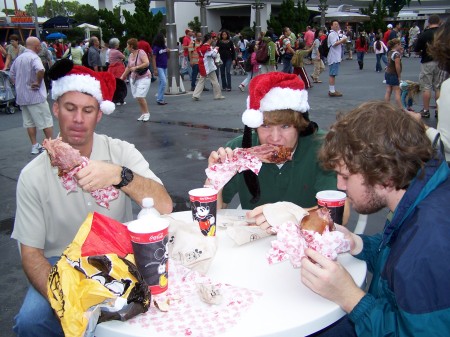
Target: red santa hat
x: 274, y: 91
x: 69, y: 77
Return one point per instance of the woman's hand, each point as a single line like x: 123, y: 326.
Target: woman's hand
x: 220, y: 156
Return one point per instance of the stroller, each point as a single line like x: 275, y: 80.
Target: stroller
x: 238, y: 68
x: 7, y: 94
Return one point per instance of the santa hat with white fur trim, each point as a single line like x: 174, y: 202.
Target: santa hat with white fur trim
x: 274, y: 91
x: 69, y: 77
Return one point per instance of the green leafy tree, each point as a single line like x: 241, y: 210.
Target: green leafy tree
x: 394, y: 6
x: 142, y: 22
x: 287, y: 14
x: 87, y: 14
x: 111, y: 25
x: 302, y: 17
x: 195, y: 24
x: 274, y: 24
x: 377, y: 15
x: 248, y: 33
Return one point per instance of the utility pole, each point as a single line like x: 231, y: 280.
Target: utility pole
x: 36, y: 23
x: 203, y: 21
x: 174, y: 83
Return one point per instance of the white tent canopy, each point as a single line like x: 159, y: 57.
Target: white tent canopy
x: 88, y: 28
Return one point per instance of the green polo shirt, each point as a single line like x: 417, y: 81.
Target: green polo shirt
x: 296, y: 181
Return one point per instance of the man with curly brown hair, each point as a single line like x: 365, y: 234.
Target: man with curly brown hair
x: 383, y: 159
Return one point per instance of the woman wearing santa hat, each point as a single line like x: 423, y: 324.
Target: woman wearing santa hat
x: 276, y: 114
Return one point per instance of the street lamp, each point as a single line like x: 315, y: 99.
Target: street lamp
x: 323, y: 6
x: 257, y: 6
x: 204, y: 25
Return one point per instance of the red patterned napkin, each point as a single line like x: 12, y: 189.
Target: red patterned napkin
x: 220, y: 174
x: 292, y: 241
x: 102, y: 196
x: 188, y: 315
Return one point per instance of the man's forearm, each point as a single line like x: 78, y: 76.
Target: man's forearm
x: 36, y: 268
x: 141, y: 188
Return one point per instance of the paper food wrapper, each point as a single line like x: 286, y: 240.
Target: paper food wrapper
x: 220, y: 174
x: 291, y: 241
x: 102, y: 196
x: 189, y: 246
x: 242, y: 234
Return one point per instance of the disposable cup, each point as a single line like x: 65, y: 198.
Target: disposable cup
x: 149, y: 238
x: 334, y: 201
x: 204, y: 209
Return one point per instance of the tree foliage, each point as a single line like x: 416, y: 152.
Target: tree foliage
x: 377, y: 15
x: 195, y: 24
x: 296, y: 18
x: 87, y: 14
x: 393, y: 6
x: 142, y: 22
x: 111, y: 25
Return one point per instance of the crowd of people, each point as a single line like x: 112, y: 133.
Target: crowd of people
x: 408, y: 174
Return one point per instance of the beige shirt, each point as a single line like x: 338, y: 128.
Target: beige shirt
x: 48, y: 217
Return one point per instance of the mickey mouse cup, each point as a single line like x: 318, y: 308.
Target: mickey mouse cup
x: 149, y: 238
x: 334, y: 201
x: 204, y: 209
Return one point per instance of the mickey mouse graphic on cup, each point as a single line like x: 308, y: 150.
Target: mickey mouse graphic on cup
x: 204, y: 209
x: 206, y: 220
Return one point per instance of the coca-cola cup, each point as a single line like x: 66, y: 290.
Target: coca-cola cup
x: 149, y: 238
x: 204, y: 209
x: 334, y: 201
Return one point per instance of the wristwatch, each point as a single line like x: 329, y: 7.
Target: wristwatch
x: 126, y: 175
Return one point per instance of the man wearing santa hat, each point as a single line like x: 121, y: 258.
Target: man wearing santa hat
x: 47, y: 216
x: 276, y: 114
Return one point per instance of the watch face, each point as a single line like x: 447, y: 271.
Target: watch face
x: 127, y: 175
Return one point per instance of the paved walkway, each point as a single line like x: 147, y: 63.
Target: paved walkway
x: 176, y: 142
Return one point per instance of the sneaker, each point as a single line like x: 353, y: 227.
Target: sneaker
x: 425, y: 113
x: 220, y: 97
x: 118, y: 104
x: 205, y: 89
x: 143, y: 117
x: 384, y: 81
x: 228, y: 89
x: 192, y: 88
x: 124, y: 103
x: 195, y: 98
x: 146, y: 117
x: 241, y: 87
x: 334, y: 94
x: 36, y: 148
x: 162, y: 103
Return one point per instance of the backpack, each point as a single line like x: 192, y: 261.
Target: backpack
x: 262, y: 54
x: 248, y: 66
x: 324, y: 48
x: 296, y: 60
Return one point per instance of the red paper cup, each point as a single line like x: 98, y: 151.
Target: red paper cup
x: 149, y: 238
x: 334, y: 201
x: 204, y: 209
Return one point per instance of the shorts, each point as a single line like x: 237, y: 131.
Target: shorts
x: 429, y: 76
x: 37, y: 115
x: 333, y: 69
x: 140, y: 87
x: 391, y: 79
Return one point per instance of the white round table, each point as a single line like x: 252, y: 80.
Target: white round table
x: 286, y: 308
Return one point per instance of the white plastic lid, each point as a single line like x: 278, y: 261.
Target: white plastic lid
x: 147, y: 203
